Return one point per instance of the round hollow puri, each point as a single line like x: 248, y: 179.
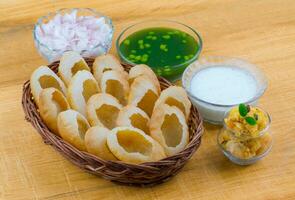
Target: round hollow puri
x: 132, y: 145
x: 96, y: 142
x: 81, y: 87
x: 72, y: 127
x: 51, y: 103
x: 102, y: 110
x: 133, y: 116
x: 143, y: 94
x: 70, y: 63
x: 43, y: 77
x: 168, y: 126
x: 140, y: 175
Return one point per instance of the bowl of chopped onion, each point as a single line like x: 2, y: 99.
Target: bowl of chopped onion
x: 83, y: 30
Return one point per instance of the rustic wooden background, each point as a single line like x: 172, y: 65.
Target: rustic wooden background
x: 262, y: 32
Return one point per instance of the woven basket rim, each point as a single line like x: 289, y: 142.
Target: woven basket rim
x: 86, y: 160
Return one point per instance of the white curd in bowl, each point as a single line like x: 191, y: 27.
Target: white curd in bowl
x: 215, y: 84
x: 224, y: 85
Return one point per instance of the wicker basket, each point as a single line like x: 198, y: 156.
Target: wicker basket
x: 144, y: 174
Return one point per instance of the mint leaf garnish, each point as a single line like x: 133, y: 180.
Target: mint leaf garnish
x: 243, y: 110
x: 250, y: 120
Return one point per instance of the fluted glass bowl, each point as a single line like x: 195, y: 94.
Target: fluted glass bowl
x: 260, y: 144
x: 93, y: 50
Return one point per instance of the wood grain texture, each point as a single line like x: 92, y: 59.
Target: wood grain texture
x: 262, y: 32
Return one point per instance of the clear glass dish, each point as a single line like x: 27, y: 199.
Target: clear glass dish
x: 212, y: 112
x: 260, y: 145
x: 176, y: 69
x: 51, y: 54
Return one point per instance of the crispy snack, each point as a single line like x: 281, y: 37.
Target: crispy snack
x: 72, y: 127
x: 175, y: 96
x: 105, y: 63
x: 168, y: 126
x: 115, y: 83
x: 133, y: 116
x: 102, y: 110
x: 145, y: 174
x: 96, y: 142
x: 143, y: 94
x: 70, y: 63
x: 82, y: 86
x: 143, y: 70
x: 42, y: 78
x: 52, y: 102
x: 132, y: 145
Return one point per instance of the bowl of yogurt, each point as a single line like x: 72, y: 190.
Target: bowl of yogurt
x: 216, y: 84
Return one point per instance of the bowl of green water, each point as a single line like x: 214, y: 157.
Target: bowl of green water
x: 168, y: 47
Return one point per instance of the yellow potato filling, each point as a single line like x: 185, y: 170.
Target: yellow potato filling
x: 244, y: 149
x: 241, y: 128
x: 242, y: 139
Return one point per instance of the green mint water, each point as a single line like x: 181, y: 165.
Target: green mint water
x: 161, y: 49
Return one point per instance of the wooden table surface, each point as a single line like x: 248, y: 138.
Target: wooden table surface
x: 262, y: 32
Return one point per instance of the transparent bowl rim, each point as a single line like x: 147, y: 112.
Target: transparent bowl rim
x: 262, y: 132
x: 96, y: 13
x: 255, y: 98
x: 249, y: 159
x: 200, y: 42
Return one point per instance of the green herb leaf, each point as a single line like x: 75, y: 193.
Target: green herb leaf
x: 243, y: 110
x: 250, y: 120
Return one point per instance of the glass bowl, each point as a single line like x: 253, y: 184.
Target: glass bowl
x: 213, y: 112
x: 263, y: 142
x: 93, y: 50
x: 177, y: 70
